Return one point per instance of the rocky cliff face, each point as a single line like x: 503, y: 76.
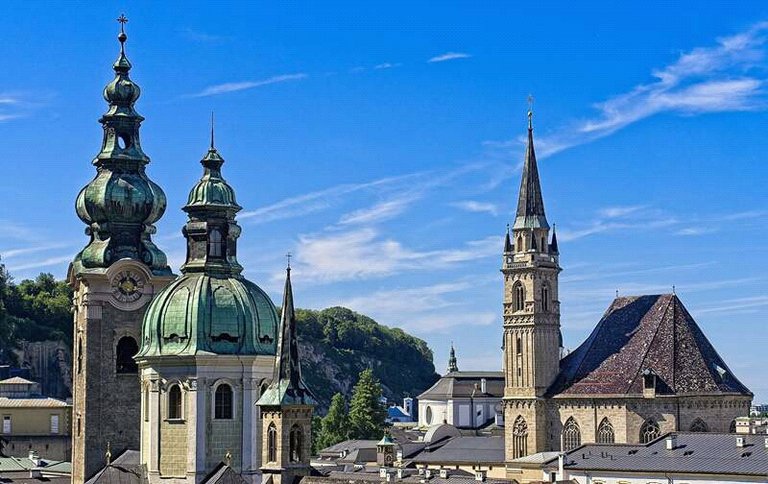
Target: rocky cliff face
x: 336, y: 345
x: 50, y: 364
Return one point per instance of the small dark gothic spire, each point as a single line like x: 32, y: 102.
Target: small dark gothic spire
x: 452, y: 362
x: 507, y: 241
x: 553, y: 245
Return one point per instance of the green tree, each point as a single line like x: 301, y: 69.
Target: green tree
x: 334, y: 427
x: 366, y: 414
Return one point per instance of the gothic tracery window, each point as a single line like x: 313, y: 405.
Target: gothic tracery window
x: 649, y: 431
x: 222, y: 402
x: 272, y: 443
x: 571, y: 434
x: 520, y: 437
x: 545, y: 297
x: 698, y: 425
x: 125, y: 351
x: 519, y: 295
x: 296, y: 441
x: 605, y: 434
x: 520, y: 244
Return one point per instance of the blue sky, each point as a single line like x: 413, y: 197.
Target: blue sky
x: 381, y: 145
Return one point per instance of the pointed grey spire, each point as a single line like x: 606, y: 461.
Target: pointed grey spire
x: 507, y: 242
x: 287, y: 386
x: 530, y: 203
x: 553, y: 245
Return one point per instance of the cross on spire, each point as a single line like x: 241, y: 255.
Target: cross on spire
x: 530, y: 111
x: 123, y: 20
x: 288, y: 258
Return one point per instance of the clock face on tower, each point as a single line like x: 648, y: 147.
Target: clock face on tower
x: 127, y: 286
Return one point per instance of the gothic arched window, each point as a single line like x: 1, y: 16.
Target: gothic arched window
x: 605, y: 434
x: 215, y: 243
x: 520, y: 247
x: 545, y: 297
x: 649, y: 431
x: 519, y: 294
x: 519, y: 437
x: 126, y: 350
x: 571, y: 434
x: 222, y: 402
x: 272, y: 443
x: 698, y: 425
x: 296, y: 441
x: 519, y: 348
x: 732, y: 427
x: 174, y: 402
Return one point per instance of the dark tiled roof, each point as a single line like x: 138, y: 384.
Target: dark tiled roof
x: 223, y: 474
x: 461, y: 384
x: 694, y: 453
x: 645, y: 333
x: 125, y: 469
x: 485, y: 450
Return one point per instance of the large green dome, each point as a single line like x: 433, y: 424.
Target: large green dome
x: 211, y: 308
x: 198, y: 314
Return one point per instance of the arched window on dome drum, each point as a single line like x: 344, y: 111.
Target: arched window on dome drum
x: 518, y: 292
x: 605, y: 433
x: 125, y: 351
x: 174, y: 403
x: 429, y: 415
x: 222, y: 402
x: 545, y: 297
x: 571, y: 434
x: 520, y: 437
x: 272, y: 443
x: 296, y: 441
x: 698, y: 425
x: 649, y: 431
x: 215, y: 243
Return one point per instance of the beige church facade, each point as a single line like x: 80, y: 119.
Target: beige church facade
x: 646, y: 369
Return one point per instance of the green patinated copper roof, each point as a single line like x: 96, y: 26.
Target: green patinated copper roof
x: 121, y: 204
x: 211, y: 308
x: 199, y: 314
x: 287, y: 387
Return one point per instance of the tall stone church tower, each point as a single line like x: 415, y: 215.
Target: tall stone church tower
x: 113, y: 277
x: 532, y: 337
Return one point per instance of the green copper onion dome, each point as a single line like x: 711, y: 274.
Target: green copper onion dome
x: 211, y: 308
x: 121, y: 204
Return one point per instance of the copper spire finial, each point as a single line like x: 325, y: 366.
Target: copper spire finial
x: 530, y: 111
x: 212, y: 131
x: 121, y: 36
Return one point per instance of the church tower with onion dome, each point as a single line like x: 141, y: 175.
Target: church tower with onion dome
x: 113, y: 277
x: 209, y: 343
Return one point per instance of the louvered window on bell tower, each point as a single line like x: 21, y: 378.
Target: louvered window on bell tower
x: 215, y: 243
x: 519, y: 244
x: 519, y: 295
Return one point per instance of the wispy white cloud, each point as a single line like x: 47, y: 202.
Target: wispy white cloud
x: 620, y: 211
x: 694, y: 231
x: 424, y: 309
x: 50, y: 261
x: 12, y: 253
x: 449, y: 56
x: 386, y: 65
x: 636, y: 217
x: 312, y: 202
x: 728, y: 76
x: 15, y: 105
x: 477, y: 207
x: 243, y: 85
x: 380, y: 211
x: 364, y: 254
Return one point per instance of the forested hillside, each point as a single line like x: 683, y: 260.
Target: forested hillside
x: 336, y: 343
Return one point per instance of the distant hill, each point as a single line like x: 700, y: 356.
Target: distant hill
x: 336, y: 343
